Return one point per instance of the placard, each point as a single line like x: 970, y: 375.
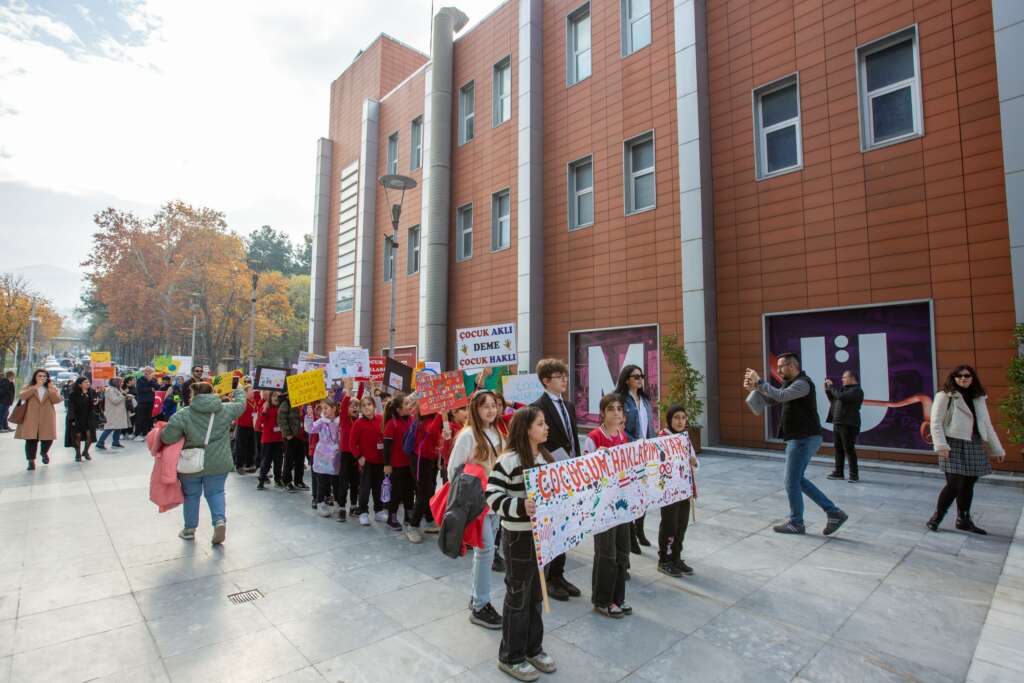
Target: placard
x: 306, y: 387
x: 486, y: 346
x: 180, y: 365
x: 310, y: 361
x: 104, y: 371
x: 270, y: 378
x: 225, y: 382
x: 523, y: 389
x: 441, y: 393
x: 397, y: 377
x: 403, y: 354
x: 593, y: 493
x: 348, y: 362
x: 162, y: 363
x: 100, y: 357
x: 377, y: 364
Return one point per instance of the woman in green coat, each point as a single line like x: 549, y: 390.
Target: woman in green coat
x: 192, y: 423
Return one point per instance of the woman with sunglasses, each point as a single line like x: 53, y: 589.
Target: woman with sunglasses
x: 964, y: 438
x: 639, y: 425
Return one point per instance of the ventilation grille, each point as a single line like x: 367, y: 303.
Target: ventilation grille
x: 245, y: 596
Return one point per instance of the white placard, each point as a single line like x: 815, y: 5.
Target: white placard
x: 523, y: 389
x: 348, y: 362
x: 486, y: 346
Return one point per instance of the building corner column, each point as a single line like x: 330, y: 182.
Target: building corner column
x: 366, y: 232
x: 318, y: 262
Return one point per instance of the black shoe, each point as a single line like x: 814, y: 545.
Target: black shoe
x: 634, y: 545
x: 570, y: 588
x: 670, y: 569
x: 31, y: 464
x: 86, y: 455
x: 302, y: 486
x: 965, y: 523
x: 78, y: 458
x: 260, y: 486
x: 641, y: 538
x: 487, y: 617
x: 557, y: 592
x: 100, y: 447
x: 46, y: 459
x: 834, y: 522
x: 789, y: 528
x: 836, y: 475
x: 935, y: 521
x: 853, y: 479
x: 394, y: 524
x: 278, y: 484
x: 342, y: 517
x: 684, y: 568
x: 498, y: 564
x: 290, y: 487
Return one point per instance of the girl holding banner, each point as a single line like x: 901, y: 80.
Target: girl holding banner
x: 521, y: 653
x: 675, y: 517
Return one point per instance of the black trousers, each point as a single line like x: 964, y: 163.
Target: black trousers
x: 327, y: 487
x: 143, y: 418
x: 403, y: 491
x: 845, y: 444
x: 611, y: 560
x: 426, y: 484
x: 556, y: 568
x: 294, y: 461
x: 32, y: 444
x: 675, y: 518
x: 271, y: 455
x: 522, y: 622
x: 373, y: 476
x: 350, y: 472
x: 245, y: 447
x: 960, y: 488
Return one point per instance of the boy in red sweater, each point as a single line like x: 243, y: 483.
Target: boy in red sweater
x: 272, y: 442
x: 367, y: 444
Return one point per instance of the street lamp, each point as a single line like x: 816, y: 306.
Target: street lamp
x: 254, y: 265
x: 194, y: 305
x: 399, y: 184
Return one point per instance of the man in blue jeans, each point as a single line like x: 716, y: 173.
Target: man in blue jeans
x: 800, y: 428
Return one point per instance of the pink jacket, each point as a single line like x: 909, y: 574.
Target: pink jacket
x: 164, y: 487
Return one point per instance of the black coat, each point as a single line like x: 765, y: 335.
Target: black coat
x: 465, y: 503
x: 557, y: 438
x: 82, y: 416
x: 845, y: 402
x: 6, y: 391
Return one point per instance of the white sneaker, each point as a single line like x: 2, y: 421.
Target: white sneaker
x: 364, y: 519
x: 543, y: 662
x: 523, y: 671
x: 413, y: 534
x: 324, y: 509
x: 220, y: 530
x: 381, y: 516
x: 432, y: 528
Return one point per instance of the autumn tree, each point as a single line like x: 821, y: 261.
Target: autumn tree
x: 16, y: 302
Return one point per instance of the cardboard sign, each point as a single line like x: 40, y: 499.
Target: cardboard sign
x: 162, y: 363
x: 424, y: 367
x: 521, y: 388
x: 180, y: 365
x: 100, y: 357
x: 350, y: 362
x: 403, y: 354
x: 397, y: 377
x: 226, y: 382
x: 441, y: 393
x: 593, y: 493
x: 377, y: 364
x: 104, y: 371
x: 270, y: 378
x: 306, y: 387
x: 486, y: 346
x: 310, y: 361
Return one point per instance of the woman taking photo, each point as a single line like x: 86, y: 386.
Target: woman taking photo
x: 964, y: 438
x: 82, y: 418
x: 639, y: 425
x: 39, y: 425
x: 115, y: 410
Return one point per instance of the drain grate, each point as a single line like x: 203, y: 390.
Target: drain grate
x: 245, y: 596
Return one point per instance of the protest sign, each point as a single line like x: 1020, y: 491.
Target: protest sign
x: 162, y: 363
x: 377, y: 364
x: 348, y: 362
x: 306, y: 387
x: 441, y: 393
x: 270, y: 378
x: 424, y: 367
x: 521, y: 388
x: 310, y: 361
x: 595, y: 492
x: 225, y: 382
x: 100, y: 356
x: 102, y: 371
x: 180, y: 365
x: 397, y: 377
x: 486, y: 346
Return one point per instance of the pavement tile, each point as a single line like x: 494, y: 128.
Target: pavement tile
x: 405, y: 656
x: 708, y: 663
x: 91, y: 657
x: 272, y: 656
x: 70, y: 623
x: 762, y: 639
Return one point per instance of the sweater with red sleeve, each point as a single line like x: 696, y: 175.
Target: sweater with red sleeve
x: 345, y: 423
x: 256, y: 410
x: 394, y: 438
x: 599, y: 438
x: 366, y: 440
x: 247, y: 418
x: 429, y: 437
x: 266, y: 422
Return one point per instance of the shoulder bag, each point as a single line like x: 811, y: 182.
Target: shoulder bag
x: 18, y: 414
x: 193, y: 460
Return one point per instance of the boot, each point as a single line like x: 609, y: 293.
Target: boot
x: 641, y: 535
x: 965, y: 523
x: 935, y: 521
x: 31, y: 464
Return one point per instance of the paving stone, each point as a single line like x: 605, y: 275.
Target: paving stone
x: 697, y: 659
x: 405, y: 656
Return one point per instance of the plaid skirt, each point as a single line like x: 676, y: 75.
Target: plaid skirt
x: 967, y: 458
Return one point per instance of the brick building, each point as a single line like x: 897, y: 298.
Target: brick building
x: 827, y: 175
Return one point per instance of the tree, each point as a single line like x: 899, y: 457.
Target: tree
x: 281, y: 349
x: 1012, y: 406
x: 303, y: 257
x: 683, y: 380
x: 16, y: 301
x: 268, y: 249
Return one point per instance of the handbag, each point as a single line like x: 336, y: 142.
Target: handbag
x: 193, y: 460
x: 18, y: 414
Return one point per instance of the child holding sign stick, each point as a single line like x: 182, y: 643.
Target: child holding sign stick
x: 367, y: 444
x: 675, y: 517
x: 611, y: 547
x: 396, y: 460
x: 521, y: 653
x: 271, y: 442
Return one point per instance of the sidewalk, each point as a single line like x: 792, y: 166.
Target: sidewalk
x: 95, y: 585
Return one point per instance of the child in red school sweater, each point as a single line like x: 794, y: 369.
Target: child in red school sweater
x: 611, y: 547
x: 675, y: 518
x: 348, y: 413
x: 397, y: 419
x: 429, y: 438
x: 367, y: 443
x: 247, y: 443
x: 272, y: 453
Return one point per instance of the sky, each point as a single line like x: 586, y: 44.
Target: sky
x: 133, y: 103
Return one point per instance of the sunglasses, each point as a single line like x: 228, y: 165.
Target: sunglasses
x: 965, y: 375
x: 640, y: 376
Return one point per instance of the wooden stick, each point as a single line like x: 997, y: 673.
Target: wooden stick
x: 544, y: 591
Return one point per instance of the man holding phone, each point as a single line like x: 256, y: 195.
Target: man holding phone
x: 844, y: 414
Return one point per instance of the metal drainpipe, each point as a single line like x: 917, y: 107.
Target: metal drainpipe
x: 433, y: 340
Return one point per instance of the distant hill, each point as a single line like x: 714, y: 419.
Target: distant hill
x: 61, y: 286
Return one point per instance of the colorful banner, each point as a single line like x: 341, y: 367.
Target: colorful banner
x: 889, y: 346
x: 162, y: 363
x: 306, y: 387
x: 596, y: 357
x: 225, y: 382
x: 377, y: 364
x: 521, y: 388
x: 180, y: 365
x: 348, y: 362
x: 486, y: 346
x: 100, y: 357
x: 104, y: 371
x: 441, y: 393
x: 595, y: 492
x: 310, y: 361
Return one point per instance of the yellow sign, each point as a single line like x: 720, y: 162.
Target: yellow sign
x: 100, y: 357
x: 222, y: 383
x: 162, y: 363
x: 306, y: 387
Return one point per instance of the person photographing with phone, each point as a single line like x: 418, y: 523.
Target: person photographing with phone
x: 844, y: 415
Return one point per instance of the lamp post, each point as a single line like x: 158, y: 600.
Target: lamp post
x: 194, y: 305
x: 32, y: 320
x: 252, y: 316
x: 398, y: 183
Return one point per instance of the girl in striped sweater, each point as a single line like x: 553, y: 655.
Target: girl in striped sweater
x: 521, y: 653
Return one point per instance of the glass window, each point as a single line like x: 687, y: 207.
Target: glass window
x: 636, y: 25
x: 467, y: 106
x: 414, y: 250
x: 393, y: 154
x: 503, y: 91
x: 578, y: 46
x: 581, y: 193
x: 501, y: 220
x: 464, y: 232
x: 889, y: 84
x: 389, y: 259
x: 416, y: 138
x: 777, y: 127
x: 639, y: 164
x: 347, y: 225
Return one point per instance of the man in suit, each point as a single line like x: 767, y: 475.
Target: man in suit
x: 844, y: 414
x: 563, y: 442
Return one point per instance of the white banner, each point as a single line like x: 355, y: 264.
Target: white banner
x: 348, y: 362
x: 521, y: 388
x: 486, y: 346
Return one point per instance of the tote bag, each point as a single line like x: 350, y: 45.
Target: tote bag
x: 193, y: 460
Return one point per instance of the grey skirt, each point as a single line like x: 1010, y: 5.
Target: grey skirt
x: 967, y: 458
